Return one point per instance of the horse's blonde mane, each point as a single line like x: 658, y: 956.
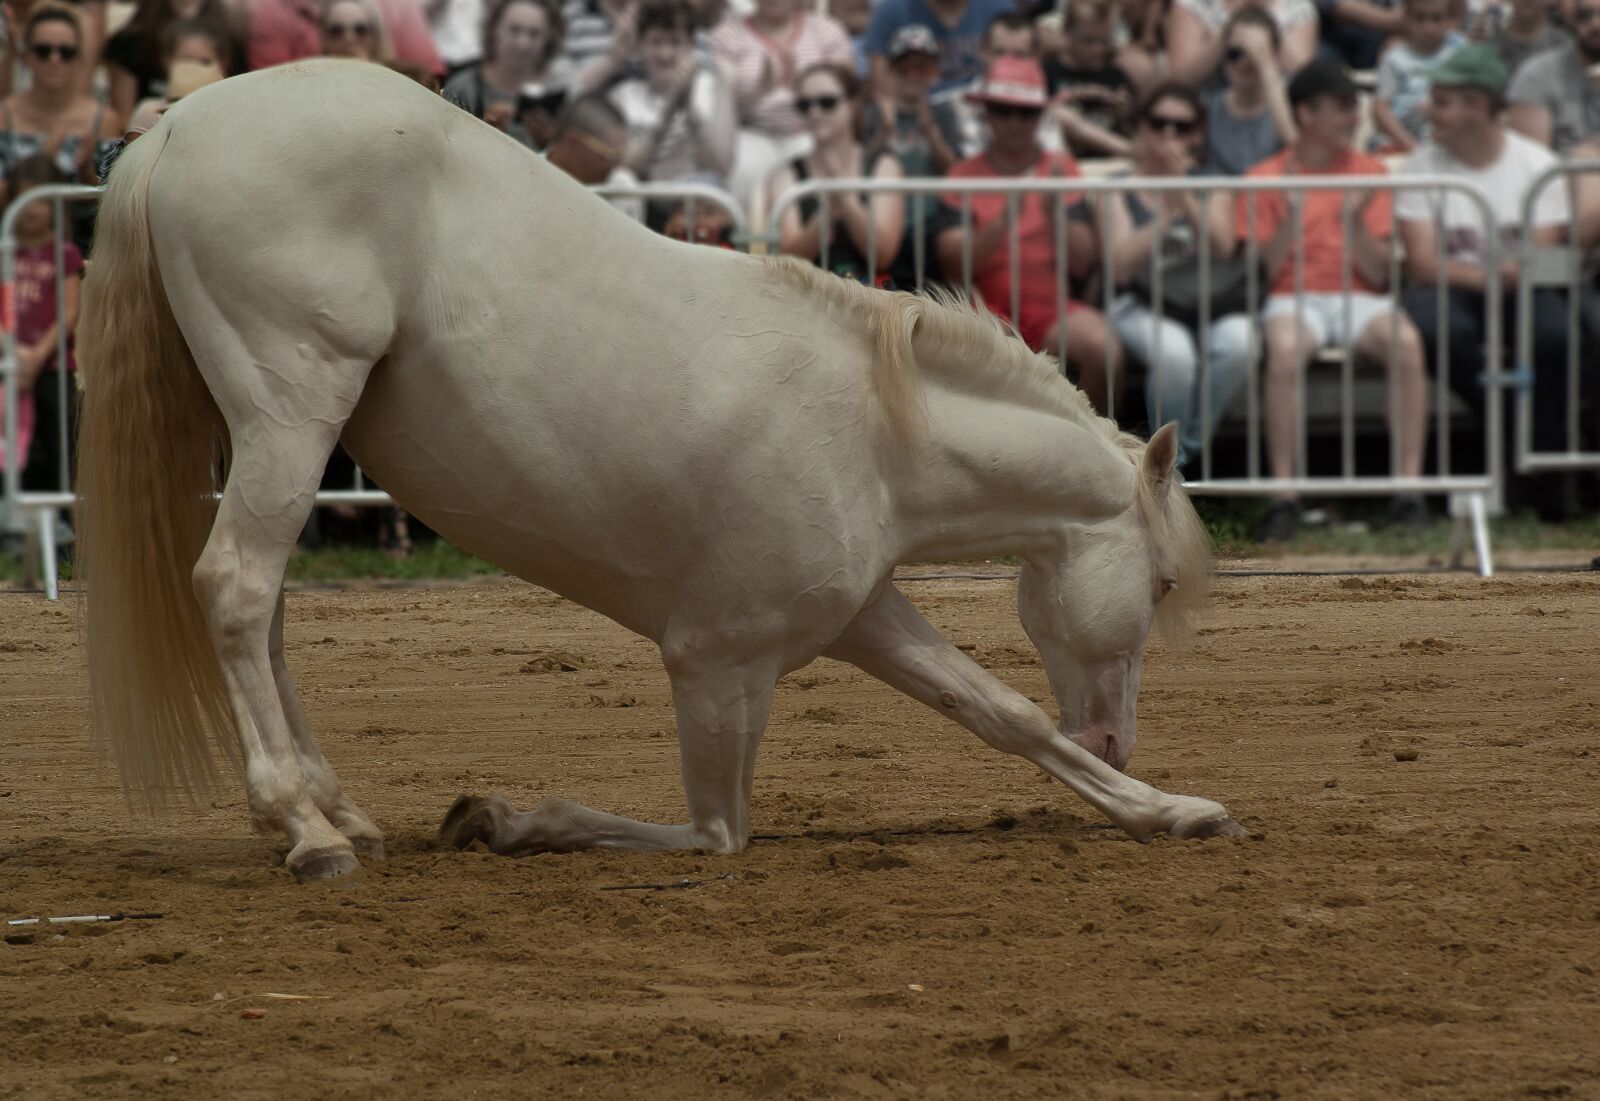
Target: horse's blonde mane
x: 974, y: 352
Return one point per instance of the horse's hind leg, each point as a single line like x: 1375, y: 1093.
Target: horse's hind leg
x: 326, y: 790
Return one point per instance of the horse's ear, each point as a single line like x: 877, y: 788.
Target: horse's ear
x: 1160, y: 459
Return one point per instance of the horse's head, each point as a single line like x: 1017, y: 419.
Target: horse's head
x: 1089, y: 605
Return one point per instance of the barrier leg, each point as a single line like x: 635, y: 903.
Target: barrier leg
x: 47, y: 552
x: 1480, y: 533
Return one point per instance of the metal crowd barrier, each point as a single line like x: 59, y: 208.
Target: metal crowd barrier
x: 1471, y: 494
x: 1560, y: 269
x: 32, y: 513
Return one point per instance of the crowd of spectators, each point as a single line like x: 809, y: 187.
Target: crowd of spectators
x: 755, y: 96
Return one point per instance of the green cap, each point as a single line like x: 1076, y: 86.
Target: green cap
x: 1472, y: 66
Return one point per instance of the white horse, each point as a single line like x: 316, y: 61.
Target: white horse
x: 726, y: 454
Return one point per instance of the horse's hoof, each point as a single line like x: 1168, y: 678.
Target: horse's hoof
x: 324, y: 864
x: 462, y: 823
x: 369, y: 848
x: 1215, y: 827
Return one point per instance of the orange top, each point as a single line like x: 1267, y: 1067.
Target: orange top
x: 1324, y: 220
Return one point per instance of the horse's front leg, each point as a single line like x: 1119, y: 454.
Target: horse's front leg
x: 722, y: 714
x: 892, y: 641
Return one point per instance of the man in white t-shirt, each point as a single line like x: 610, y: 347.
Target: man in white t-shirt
x: 1470, y: 144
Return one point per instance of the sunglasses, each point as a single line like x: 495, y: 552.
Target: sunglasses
x: 1166, y: 124
x: 1012, y: 111
x: 349, y: 30
x: 44, y: 51
x: 825, y: 104
x: 1233, y: 55
x: 1585, y: 15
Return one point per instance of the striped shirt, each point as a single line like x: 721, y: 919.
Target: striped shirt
x: 743, y: 50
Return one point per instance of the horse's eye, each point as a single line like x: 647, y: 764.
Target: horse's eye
x: 1167, y: 585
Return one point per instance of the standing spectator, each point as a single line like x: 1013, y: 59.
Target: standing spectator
x: 680, y: 114
x: 763, y: 53
x: 186, y: 74
x: 54, y: 116
x: 589, y: 144
x: 288, y: 30
x: 1014, y: 98
x: 1358, y: 30
x: 136, y: 56
x: 521, y: 50
x: 1094, y: 93
x: 863, y: 239
x: 1326, y: 108
x: 1142, y: 47
x: 1400, y: 109
x: 1554, y: 99
x: 1165, y: 227
x: 855, y: 16
x: 1470, y: 144
x: 1007, y: 35
x: 1528, y: 31
x: 457, y: 28
x: 354, y: 29
x: 1195, y: 38
x: 925, y: 138
x: 958, y: 26
x: 1250, y: 119
x: 50, y: 382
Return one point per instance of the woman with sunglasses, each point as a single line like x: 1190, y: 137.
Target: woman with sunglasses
x: 54, y: 116
x: 354, y: 29
x: 1141, y: 229
x: 135, y: 56
x: 521, y: 50
x: 862, y: 239
x: 1249, y: 120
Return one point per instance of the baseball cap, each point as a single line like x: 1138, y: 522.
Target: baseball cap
x: 1472, y: 66
x: 913, y: 38
x: 1324, y: 77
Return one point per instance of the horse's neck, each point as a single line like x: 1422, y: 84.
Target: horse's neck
x: 1003, y: 478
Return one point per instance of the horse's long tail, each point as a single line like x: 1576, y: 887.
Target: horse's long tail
x: 145, y: 462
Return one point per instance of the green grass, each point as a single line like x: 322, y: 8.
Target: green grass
x: 1356, y: 530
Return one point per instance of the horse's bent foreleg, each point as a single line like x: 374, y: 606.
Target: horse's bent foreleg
x: 323, y: 781
x: 892, y: 641
x: 722, y: 715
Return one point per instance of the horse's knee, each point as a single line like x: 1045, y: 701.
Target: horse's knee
x: 238, y: 603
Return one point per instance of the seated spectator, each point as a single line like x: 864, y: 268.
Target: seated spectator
x: 957, y: 25
x: 1014, y: 98
x: 1196, y: 35
x: 1142, y: 47
x: 1326, y: 107
x: 1400, y: 109
x: 419, y: 73
x: 1527, y: 32
x: 457, y: 29
x: 192, y: 41
x: 46, y: 380
x: 521, y: 51
x: 1250, y: 119
x: 54, y: 116
x: 1470, y: 144
x: 850, y: 236
x: 185, y: 76
x: 354, y: 29
x: 680, y: 114
x: 1137, y: 227
x: 1555, y: 98
x: 763, y: 53
x: 855, y: 16
x: 137, y: 56
x: 599, y: 40
x: 1007, y: 35
x: 1094, y: 92
x: 925, y: 138
x: 288, y: 30
x: 589, y: 143
x: 1357, y: 31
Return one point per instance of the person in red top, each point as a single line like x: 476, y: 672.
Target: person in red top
x: 1012, y: 95
x: 288, y: 30
x: 1296, y: 325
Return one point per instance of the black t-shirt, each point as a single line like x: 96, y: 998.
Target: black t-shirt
x: 1110, y: 112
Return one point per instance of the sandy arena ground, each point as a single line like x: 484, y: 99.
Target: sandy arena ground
x: 933, y: 920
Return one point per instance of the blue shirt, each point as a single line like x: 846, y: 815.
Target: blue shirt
x: 958, y: 46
